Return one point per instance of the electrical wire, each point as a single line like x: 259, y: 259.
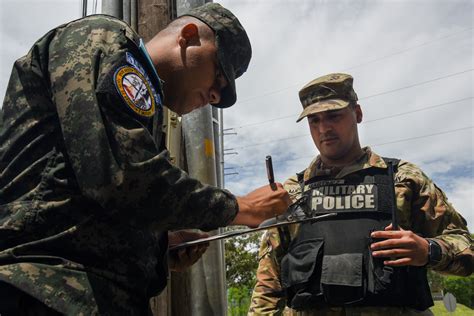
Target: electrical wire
x: 362, y: 64
x: 363, y: 122
x: 375, y: 145
x: 363, y: 98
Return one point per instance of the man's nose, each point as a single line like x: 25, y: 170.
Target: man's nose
x: 214, y: 95
x: 324, y: 126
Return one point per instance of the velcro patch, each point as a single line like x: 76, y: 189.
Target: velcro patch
x: 339, y: 197
x: 136, y: 90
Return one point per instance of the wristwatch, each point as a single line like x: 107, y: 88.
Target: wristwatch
x: 434, y: 252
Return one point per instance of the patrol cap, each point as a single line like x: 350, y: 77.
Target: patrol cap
x: 233, y: 46
x: 329, y: 92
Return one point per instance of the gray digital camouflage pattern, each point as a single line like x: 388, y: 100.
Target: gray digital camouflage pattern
x: 86, y: 193
x: 423, y: 208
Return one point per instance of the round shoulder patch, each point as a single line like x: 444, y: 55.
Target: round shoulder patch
x: 136, y: 90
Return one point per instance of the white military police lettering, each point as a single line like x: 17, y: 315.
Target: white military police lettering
x: 343, y: 197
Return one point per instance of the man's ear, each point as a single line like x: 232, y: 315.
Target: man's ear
x: 189, y: 33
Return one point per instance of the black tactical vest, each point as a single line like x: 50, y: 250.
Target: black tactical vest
x: 329, y: 262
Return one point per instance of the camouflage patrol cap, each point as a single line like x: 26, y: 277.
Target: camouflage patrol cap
x: 329, y: 92
x: 233, y: 46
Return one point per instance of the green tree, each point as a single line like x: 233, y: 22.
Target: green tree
x: 241, y: 258
x: 436, y: 281
x: 462, y: 288
x: 238, y: 301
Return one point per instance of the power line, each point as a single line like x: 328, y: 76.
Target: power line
x: 424, y: 136
x: 375, y: 145
x: 408, y: 49
x: 364, y: 98
x: 417, y: 84
x: 363, y: 122
x: 362, y: 64
x: 417, y: 110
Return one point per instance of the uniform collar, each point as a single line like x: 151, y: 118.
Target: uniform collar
x: 142, y: 48
x: 368, y: 160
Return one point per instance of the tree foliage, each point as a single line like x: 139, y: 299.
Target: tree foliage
x: 238, y: 301
x: 241, y: 259
x: 462, y: 288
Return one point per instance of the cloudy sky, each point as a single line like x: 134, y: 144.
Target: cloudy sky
x: 412, y: 62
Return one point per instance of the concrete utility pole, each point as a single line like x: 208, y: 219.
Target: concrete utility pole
x: 202, y: 290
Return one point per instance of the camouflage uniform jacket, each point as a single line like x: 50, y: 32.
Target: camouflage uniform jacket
x: 86, y: 192
x: 423, y: 208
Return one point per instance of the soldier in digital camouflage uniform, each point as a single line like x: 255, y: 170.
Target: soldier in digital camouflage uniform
x: 87, y: 193
x: 330, y: 104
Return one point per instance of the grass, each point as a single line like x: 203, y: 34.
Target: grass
x: 461, y: 310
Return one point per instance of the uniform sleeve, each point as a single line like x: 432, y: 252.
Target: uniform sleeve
x: 112, y: 154
x: 293, y: 188
x: 268, y: 297
x: 425, y: 210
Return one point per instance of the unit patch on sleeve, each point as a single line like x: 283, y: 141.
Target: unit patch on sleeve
x: 136, y: 90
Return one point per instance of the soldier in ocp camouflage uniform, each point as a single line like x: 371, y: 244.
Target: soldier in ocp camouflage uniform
x: 87, y: 193
x: 290, y: 261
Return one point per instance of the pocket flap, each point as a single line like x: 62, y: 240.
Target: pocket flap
x: 345, y: 269
x: 298, y: 264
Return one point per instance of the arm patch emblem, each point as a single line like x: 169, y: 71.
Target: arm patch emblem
x: 135, y: 90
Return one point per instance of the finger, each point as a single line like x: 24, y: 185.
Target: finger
x: 395, y: 253
x: 278, y: 185
x: 398, y: 263
x: 203, y: 248
x: 178, y: 254
x: 385, y: 244
x: 386, y: 234
x: 389, y: 227
x: 392, y: 243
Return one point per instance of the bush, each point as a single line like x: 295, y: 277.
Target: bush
x: 238, y: 301
x: 462, y: 288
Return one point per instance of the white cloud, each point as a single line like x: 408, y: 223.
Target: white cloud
x: 461, y: 196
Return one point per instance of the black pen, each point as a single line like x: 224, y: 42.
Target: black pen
x: 270, y: 176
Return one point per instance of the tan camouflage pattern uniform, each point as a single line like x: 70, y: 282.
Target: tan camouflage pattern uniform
x: 423, y: 209
x: 87, y: 193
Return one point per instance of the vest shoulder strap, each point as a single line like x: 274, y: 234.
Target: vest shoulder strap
x: 393, y: 161
x: 284, y: 232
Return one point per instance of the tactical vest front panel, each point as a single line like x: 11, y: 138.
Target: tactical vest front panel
x: 329, y: 262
